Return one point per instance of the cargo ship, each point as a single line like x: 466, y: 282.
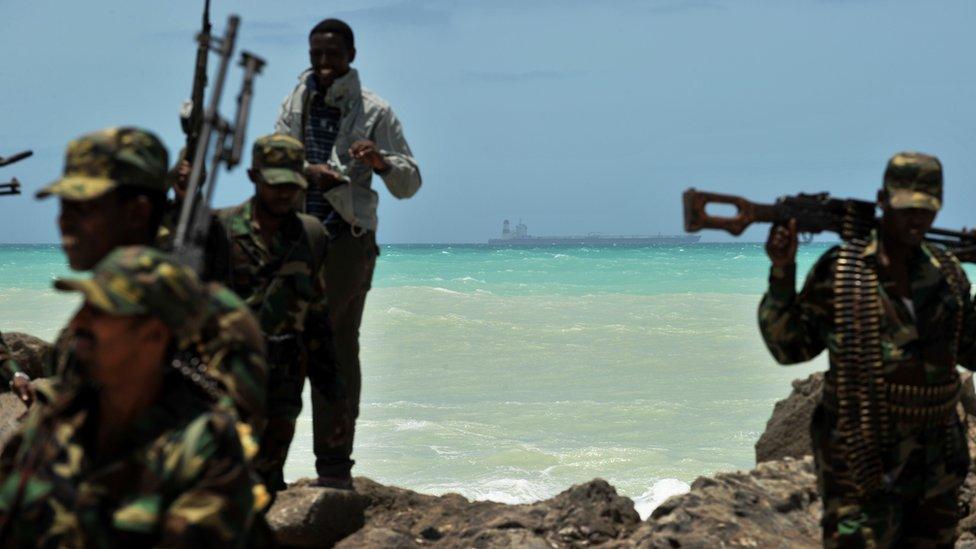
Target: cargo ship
x: 520, y: 237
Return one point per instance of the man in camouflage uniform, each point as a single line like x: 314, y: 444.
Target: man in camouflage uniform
x: 896, y: 315
x: 278, y: 268
x: 113, y: 193
x: 132, y: 453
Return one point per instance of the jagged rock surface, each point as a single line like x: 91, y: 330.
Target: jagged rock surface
x: 306, y: 516
x: 787, y: 432
x: 586, y: 514
x: 773, y: 505
x: 29, y: 352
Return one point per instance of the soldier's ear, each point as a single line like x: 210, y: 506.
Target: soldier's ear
x: 882, y: 199
x: 352, y: 55
x: 254, y: 175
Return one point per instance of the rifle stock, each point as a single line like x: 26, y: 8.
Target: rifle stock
x: 747, y: 213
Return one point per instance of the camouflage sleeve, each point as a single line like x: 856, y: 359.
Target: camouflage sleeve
x: 8, y: 366
x: 322, y: 371
x: 793, y: 326
x: 217, y: 507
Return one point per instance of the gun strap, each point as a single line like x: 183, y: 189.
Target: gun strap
x: 861, y: 395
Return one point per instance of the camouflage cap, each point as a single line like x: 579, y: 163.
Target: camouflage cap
x: 280, y: 159
x: 100, y: 161
x: 138, y: 280
x: 914, y: 180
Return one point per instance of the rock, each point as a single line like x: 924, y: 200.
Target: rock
x: 378, y: 537
x: 30, y: 352
x: 306, y: 516
x: 787, y: 432
x: 774, y: 505
x: 586, y: 514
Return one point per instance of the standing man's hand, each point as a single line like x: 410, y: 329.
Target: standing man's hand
x: 365, y: 151
x: 21, y: 386
x: 323, y: 176
x: 782, y: 244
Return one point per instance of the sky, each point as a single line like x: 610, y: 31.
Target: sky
x: 575, y: 116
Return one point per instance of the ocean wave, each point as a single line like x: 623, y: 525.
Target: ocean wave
x: 658, y: 493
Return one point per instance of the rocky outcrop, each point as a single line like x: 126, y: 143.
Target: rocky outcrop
x: 29, y: 352
x: 307, y: 516
x: 787, y: 432
x: 774, y: 505
x: 586, y: 514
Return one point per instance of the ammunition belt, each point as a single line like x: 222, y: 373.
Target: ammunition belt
x: 950, y: 270
x: 912, y: 405
x: 862, y: 410
x: 194, y: 368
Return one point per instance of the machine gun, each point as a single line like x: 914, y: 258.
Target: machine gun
x: 814, y: 213
x: 191, y: 113
x: 13, y: 186
x: 194, y: 220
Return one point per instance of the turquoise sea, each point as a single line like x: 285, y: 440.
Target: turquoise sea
x: 510, y: 374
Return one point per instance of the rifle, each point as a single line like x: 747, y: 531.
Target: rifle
x: 814, y: 213
x: 191, y: 113
x: 194, y: 221
x: 13, y: 186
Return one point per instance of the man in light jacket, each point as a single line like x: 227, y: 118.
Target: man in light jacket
x: 349, y: 133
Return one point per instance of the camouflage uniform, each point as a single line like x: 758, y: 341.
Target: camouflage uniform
x: 230, y: 340
x: 283, y: 281
x: 178, y: 475
x: 923, y: 463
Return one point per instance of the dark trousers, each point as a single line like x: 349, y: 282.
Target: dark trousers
x: 349, y: 274
x: 887, y: 520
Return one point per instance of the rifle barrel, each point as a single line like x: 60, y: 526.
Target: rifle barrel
x: 15, y: 158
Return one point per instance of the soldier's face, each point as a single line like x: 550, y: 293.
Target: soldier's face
x: 90, y: 229
x: 278, y: 200
x: 907, y: 225
x: 107, y: 345
x: 330, y: 57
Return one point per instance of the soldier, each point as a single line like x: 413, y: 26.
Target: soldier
x: 132, y: 453
x: 896, y: 316
x: 112, y: 194
x: 349, y: 134
x: 278, y: 268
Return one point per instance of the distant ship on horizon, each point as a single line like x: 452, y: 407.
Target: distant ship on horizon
x: 520, y: 237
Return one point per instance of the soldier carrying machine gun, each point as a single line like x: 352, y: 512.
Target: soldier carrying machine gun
x: 893, y: 308
x: 13, y: 186
x: 814, y: 213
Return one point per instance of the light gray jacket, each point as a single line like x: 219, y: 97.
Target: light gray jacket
x: 365, y: 115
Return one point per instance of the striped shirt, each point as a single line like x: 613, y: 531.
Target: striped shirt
x: 321, y: 131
